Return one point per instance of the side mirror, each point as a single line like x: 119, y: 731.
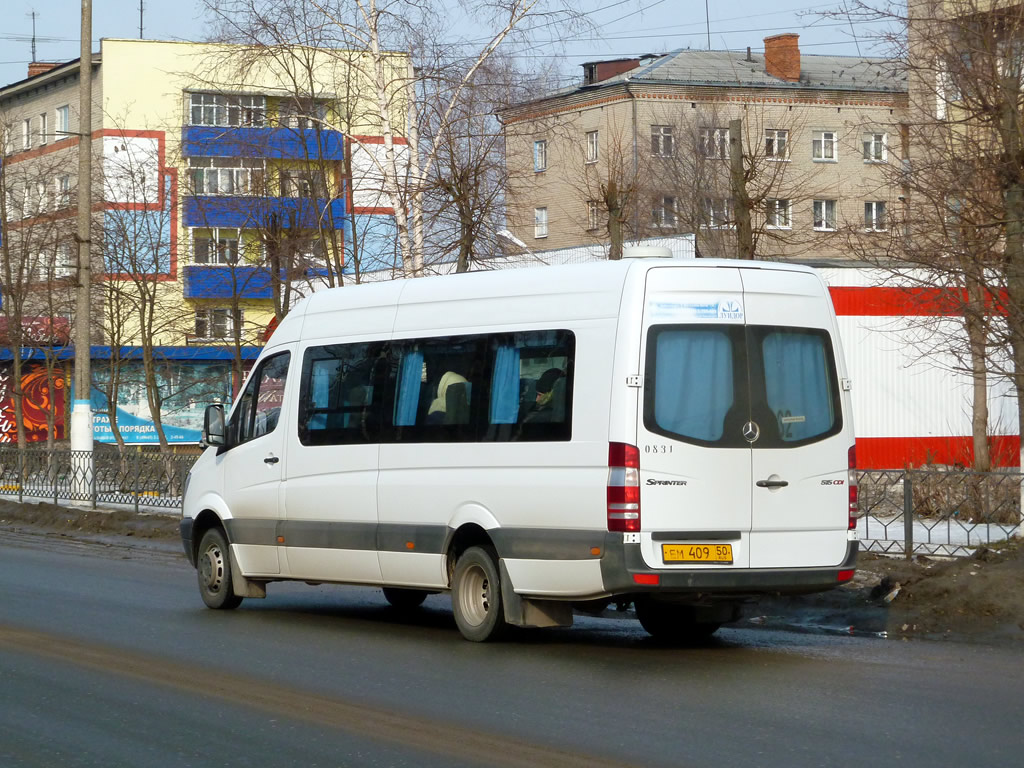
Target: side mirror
x: 213, y: 425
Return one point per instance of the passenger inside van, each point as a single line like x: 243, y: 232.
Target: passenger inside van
x: 451, y: 406
x: 549, y: 404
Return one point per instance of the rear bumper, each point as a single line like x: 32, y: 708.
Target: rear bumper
x: 621, y: 562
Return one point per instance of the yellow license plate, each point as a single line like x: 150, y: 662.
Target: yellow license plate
x: 697, y: 553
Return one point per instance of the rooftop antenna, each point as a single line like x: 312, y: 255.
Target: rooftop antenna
x: 141, y: 8
x: 33, y: 14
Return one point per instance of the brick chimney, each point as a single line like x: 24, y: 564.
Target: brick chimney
x: 41, y: 67
x: 782, y: 56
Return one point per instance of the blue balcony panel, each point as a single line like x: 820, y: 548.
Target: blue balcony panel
x: 255, y: 142
x: 224, y: 282
x: 264, y: 212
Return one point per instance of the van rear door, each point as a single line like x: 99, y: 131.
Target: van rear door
x: 799, y: 462
x: 695, y: 478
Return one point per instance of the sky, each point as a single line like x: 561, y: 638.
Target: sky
x: 622, y: 28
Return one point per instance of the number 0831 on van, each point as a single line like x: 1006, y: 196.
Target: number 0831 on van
x: 538, y: 443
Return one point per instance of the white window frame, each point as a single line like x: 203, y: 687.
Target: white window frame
x: 718, y: 213
x: 540, y: 155
x: 663, y: 213
x: 874, y: 216
x: 540, y: 223
x: 220, y: 248
x: 593, y: 215
x: 772, y: 138
x: 663, y: 143
x: 821, y: 141
x: 821, y: 210
x: 225, y: 175
x: 42, y: 128
x: 62, y: 122
x: 215, y: 109
x: 65, y: 261
x: 593, y: 146
x: 26, y: 133
x: 208, y: 319
x: 779, y: 213
x: 62, y: 191
x: 875, y: 147
x: 714, y: 143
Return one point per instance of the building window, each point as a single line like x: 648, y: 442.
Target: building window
x: 875, y: 147
x: 825, y: 215
x: 718, y: 212
x: 26, y: 134
x: 226, y: 175
x: 216, y: 109
x: 216, y: 323
x: 593, y: 215
x: 63, y: 187
x: 65, y: 262
x: 874, y: 216
x: 714, y: 143
x: 303, y: 184
x: 592, y: 146
x: 540, y: 222
x: 219, y: 247
x: 661, y: 141
x: 42, y: 128
x: 304, y: 114
x: 663, y: 213
x: 63, y: 126
x: 776, y: 144
x: 779, y: 214
x: 540, y: 156
x: 823, y: 146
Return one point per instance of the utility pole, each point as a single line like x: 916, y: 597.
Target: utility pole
x: 81, y: 414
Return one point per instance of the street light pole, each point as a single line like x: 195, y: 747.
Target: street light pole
x: 81, y: 414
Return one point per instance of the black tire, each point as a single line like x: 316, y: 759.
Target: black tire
x: 405, y: 599
x: 673, y: 624
x: 476, y: 596
x: 213, y: 566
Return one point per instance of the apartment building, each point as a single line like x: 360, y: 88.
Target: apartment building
x: 226, y: 186
x: 642, y: 148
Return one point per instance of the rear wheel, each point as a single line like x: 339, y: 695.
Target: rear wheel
x: 674, y: 624
x: 404, y: 599
x: 476, y: 595
x: 213, y: 566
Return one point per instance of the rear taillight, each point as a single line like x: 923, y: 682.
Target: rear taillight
x: 851, y: 482
x: 623, y: 487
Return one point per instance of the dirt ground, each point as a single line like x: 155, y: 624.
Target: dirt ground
x: 972, y: 599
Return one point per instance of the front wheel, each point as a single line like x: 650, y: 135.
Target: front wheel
x: 214, y: 568
x: 476, y: 596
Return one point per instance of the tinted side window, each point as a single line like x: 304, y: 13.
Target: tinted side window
x: 259, y: 408
x: 340, y: 393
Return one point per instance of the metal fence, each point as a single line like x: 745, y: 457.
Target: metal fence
x: 933, y: 512
x: 937, y: 512
x: 108, y: 477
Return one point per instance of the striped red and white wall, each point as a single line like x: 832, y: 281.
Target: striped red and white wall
x: 911, y: 394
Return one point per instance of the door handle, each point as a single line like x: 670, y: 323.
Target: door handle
x: 772, y: 483
x: 271, y: 460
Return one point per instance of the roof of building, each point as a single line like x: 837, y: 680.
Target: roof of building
x: 733, y: 68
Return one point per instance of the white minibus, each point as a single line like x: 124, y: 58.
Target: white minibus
x: 674, y: 434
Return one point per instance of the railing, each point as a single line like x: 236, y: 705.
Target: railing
x: 136, y: 478
x: 937, y: 512
x: 902, y: 512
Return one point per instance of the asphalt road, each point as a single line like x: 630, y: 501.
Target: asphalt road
x: 108, y: 658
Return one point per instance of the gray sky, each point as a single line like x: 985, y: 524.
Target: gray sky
x: 625, y: 28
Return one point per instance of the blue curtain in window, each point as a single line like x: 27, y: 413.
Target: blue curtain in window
x: 505, y: 386
x: 410, y: 376
x: 693, y: 382
x: 796, y: 374
x: 319, y: 390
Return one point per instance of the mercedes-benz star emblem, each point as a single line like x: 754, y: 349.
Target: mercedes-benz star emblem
x: 751, y: 431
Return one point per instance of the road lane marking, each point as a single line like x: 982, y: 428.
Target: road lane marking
x: 409, y: 731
